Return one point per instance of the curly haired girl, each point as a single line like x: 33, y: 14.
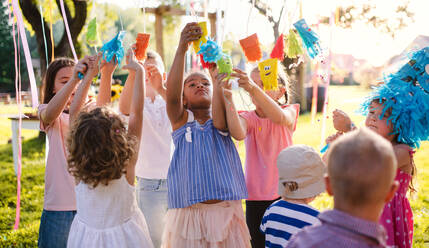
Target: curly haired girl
x: 102, y: 159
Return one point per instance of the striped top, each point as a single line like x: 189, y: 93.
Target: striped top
x: 283, y: 219
x: 205, y: 166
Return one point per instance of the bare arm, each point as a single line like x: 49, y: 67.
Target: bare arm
x: 127, y: 94
x: 57, y: 104
x: 82, y: 90
x: 403, y: 158
x: 234, y: 123
x: 136, y: 113
x: 104, y: 92
x: 218, y: 103
x: 175, y: 109
x: 271, y: 109
x: 156, y: 80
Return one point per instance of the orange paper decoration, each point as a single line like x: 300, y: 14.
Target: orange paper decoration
x: 251, y: 48
x: 142, y: 42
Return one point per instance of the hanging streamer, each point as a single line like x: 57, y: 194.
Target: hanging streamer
x: 268, y: 73
x: 20, y: 25
x: 328, y: 79
x: 44, y: 35
x: 142, y: 42
x: 278, y: 50
x: 114, y: 48
x: 52, y: 31
x: 310, y: 39
x: 251, y: 48
x: 18, y: 101
x: 66, y: 26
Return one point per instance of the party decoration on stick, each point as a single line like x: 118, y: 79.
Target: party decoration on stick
x: 142, y: 42
x: 211, y: 51
x: 251, y: 48
x: 198, y: 43
x: 278, y: 50
x: 225, y: 65
x: 309, y: 38
x: 114, y: 48
x: 206, y: 65
x: 92, y: 35
x: 268, y: 73
x: 293, y: 48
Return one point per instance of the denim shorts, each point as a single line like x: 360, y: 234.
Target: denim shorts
x: 54, y: 228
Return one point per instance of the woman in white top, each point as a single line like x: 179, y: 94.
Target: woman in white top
x: 102, y: 159
x: 156, y: 148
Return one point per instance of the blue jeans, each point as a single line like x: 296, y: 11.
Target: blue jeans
x: 152, y: 200
x: 54, y: 228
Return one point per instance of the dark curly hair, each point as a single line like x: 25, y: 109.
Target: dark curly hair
x: 99, y: 147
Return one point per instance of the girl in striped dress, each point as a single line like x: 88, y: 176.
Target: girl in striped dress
x: 205, y: 179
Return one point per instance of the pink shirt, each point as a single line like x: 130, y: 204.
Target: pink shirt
x: 264, y: 141
x: 59, y: 184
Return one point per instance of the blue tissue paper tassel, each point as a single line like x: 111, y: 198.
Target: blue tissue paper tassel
x: 211, y: 51
x: 114, y: 47
x: 310, y: 39
x: 406, y: 94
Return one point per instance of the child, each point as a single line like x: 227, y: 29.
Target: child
x: 398, y: 111
x: 301, y: 172
x: 361, y: 171
x: 59, y: 207
x: 259, y: 127
x: 102, y: 160
x: 156, y: 148
x: 205, y: 179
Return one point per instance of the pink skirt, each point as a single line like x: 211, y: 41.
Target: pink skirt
x: 219, y: 225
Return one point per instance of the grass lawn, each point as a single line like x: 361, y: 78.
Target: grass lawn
x: 346, y: 98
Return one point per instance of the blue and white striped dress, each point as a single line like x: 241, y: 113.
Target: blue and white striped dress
x: 205, y: 166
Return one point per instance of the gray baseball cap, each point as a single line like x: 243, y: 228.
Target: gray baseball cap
x: 301, y: 167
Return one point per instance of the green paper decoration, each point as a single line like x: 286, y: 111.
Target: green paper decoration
x: 92, y: 37
x: 293, y: 48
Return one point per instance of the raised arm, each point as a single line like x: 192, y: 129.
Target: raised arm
x: 175, y: 109
x: 82, y: 90
x: 218, y: 103
x: 104, y: 92
x: 136, y: 111
x: 237, y: 128
x: 57, y: 104
x: 271, y: 109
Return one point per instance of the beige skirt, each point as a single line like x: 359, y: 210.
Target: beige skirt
x: 219, y: 225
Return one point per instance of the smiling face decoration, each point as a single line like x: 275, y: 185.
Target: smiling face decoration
x: 268, y: 73
x: 203, y: 39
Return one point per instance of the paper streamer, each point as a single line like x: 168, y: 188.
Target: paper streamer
x: 66, y: 25
x: 18, y: 15
x: 44, y: 35
x: 18, y: 99
x: 52, y: 31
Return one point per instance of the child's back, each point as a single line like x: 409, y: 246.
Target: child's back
x: 108, y: 215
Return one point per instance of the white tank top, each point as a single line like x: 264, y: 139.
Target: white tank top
x: 106, y: 206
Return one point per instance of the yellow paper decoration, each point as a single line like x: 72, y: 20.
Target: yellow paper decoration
x: 268, y: 73
x: 203, y: 39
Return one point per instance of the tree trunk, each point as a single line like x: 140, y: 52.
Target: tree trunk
x: 31, y: 13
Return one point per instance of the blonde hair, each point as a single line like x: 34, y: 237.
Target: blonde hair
x: 99, y: 147
x: 361, y: 167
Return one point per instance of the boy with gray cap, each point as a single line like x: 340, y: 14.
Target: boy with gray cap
x: 301, y: 179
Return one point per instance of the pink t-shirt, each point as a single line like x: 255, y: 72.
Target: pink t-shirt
x: 59, y: 184
x: 264, y: 141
